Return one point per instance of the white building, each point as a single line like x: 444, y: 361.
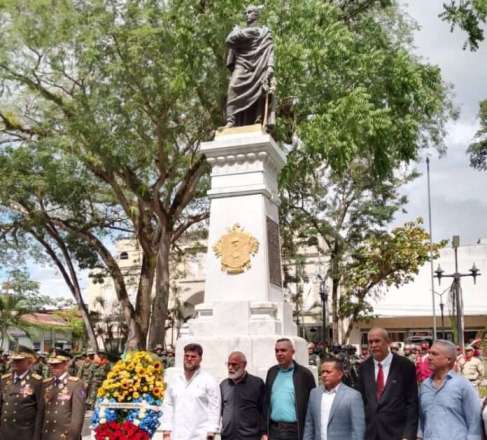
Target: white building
x: 405, y: 312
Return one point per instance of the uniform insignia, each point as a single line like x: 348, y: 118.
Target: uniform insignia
x: 36, y: 376
x: 6, y: 376
x: 73, y: 378
x: 27, y: 391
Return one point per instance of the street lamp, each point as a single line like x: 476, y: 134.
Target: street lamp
x: 324, y: 303
x: 458, y: 300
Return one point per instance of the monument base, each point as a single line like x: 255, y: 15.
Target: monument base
x: 244, y: 308
x: 259, y: 350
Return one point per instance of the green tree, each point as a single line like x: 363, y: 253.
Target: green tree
x: 478, y: 149
x: 468, y: 15
x: 381, y: 261
x: 117, y: 96
x: 19, y: 296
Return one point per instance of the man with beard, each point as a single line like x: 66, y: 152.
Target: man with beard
x: 242, y: 402
x: 191, y: 408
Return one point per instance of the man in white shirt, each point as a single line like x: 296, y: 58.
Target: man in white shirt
x: 191, y: 408
x: 335, y: 411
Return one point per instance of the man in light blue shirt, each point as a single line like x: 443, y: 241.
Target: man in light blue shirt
x: 288, y: 385
x: 283, y: 398
x: 449, y: 405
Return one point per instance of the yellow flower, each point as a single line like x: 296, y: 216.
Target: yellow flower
x: 136, y: 395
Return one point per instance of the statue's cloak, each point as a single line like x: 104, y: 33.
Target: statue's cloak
x: 250, y: 55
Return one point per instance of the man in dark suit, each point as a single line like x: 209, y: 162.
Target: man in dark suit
x: 288, y: 385
x: 387, y: 383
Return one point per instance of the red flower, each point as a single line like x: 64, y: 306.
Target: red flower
x: 120, y: 431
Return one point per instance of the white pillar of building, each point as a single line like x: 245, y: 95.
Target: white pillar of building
x: 243, y: 311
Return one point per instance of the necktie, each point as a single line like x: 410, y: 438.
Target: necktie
x: 17, y: 379
x: 380, y: 382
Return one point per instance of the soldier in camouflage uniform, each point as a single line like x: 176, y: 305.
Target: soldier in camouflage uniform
x: 99, y: 370
x: 64, y: 397
x: 41, y: 367
x: 21, y: 399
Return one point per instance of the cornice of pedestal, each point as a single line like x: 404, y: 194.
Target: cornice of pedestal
x: 238, y: 150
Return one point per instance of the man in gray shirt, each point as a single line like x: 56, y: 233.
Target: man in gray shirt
x: 242, y: 402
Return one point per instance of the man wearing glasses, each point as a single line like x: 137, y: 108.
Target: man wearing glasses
x: 242, y: 402
x: 191, y: 408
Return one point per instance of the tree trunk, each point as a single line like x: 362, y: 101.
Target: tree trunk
x: 70, y: 277
x: 144, y: 294
x: 160, y: 312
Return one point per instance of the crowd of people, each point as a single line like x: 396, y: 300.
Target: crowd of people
x: 388, y: 400
x: 388, y: 392
x: 44, y: 396
x: 34, y: 407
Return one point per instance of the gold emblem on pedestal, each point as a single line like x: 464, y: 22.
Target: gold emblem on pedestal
x: 235, y: 249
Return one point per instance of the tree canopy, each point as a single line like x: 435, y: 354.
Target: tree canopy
x: 468, y: 15
x: 104, y: 104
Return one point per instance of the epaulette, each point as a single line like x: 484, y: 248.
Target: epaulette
x: 6, y: 376
x: 36, y: 376
x: 73, y: 378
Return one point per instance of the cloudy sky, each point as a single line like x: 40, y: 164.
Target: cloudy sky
x: 459, y: 193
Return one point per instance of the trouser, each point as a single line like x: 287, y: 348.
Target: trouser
x: 283, y: 431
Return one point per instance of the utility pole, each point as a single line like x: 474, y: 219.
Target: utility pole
x: 431, y: 249
x: 458, y: 298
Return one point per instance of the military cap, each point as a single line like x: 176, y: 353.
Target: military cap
x: 469, y: 348
x: 58, y: 357
x: 22, y: 353
x: 90, y: 352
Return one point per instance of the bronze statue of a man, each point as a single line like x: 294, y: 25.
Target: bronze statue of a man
x: 251, y: 61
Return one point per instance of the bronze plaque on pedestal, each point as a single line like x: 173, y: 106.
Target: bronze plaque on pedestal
x: 274, y: 252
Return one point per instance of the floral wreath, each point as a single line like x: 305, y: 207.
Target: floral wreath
x: 128, y: 404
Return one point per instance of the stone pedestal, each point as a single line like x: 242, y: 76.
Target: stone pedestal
x: 245, y: 310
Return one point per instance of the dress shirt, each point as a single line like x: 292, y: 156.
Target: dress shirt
x: 386, y: 366
x: 283, y: 397
x: 449, y: 412
x: 326, y: 403
x: 191, y: 409
x: 20, y: 377
x: 243, y: 408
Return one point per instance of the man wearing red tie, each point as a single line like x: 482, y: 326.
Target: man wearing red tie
x: 387, y: 383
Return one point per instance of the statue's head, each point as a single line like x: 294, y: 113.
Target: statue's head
x: 252, y: 13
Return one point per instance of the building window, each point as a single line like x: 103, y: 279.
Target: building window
x: 124, y: 256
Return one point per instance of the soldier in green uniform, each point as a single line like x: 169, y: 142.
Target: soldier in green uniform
x: 40, y: 367
x: 21, y: 399
x: 84, y: 372
x: 64, y: 397
x: 99, y: 370
x: 3, y: 363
